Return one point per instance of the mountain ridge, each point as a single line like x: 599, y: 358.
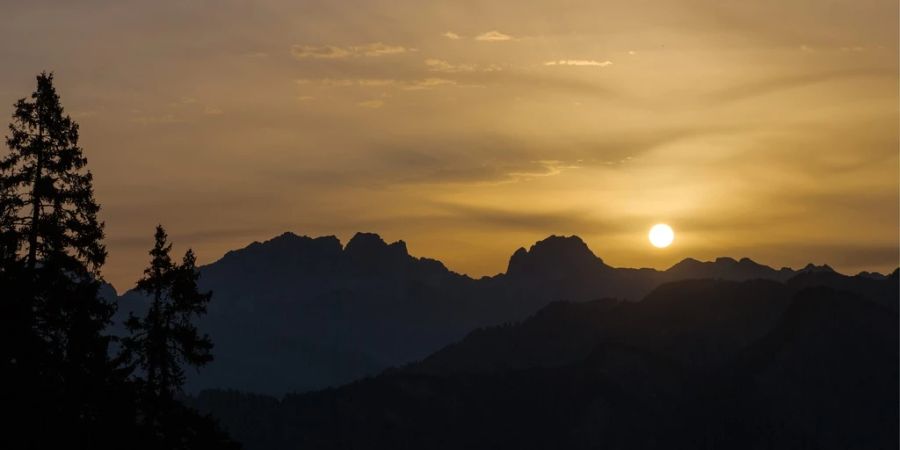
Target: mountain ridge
x: 521, y: 252
x: 333, y: 313
x: 519, y: 255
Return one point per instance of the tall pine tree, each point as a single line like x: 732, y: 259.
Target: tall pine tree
x: 51, y: 252
x: 51, y: 220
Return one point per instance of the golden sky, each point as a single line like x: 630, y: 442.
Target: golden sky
x: 765, y: 128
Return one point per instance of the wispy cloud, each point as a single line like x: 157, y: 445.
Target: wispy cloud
x: 324, y: 52
x: 380, y: 49
x: 439, y: 65
x: 411, y: 85
x: 429, y: 83
x: 376, y: 82
x: 493, y: 36
x: 548, y: 168
x: 543, y: 221
x: 451, y: 35
x: 346, y: 82
x: 336, y: 52
x: 579, y: 62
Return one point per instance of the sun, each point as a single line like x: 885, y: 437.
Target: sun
x: 661, y: 235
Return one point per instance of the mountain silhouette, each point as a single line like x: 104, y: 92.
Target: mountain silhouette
x: 676, y: 319
x: 554, y: 258
x: 695, y: 364
x: 311, y: 313
x: 728, y: 268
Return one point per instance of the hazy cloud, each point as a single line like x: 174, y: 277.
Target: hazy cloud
x: 334, y: 52
x: 416, y: 84
x: 429, y: 83
x: 451, y: 35
x: 493, y: 36
x: 579, y: 62
x: 773, y: 84
x: 550, y: 167
x: 346, y: 82
x: 439, y: 65
x: 325, y: 52
x: 380, y: 49
x: 557, y: 221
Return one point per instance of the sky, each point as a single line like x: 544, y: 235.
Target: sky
x: 766, y: 129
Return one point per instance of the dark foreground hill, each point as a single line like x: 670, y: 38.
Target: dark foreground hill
x: 697, y: 364
x: 308, y: 313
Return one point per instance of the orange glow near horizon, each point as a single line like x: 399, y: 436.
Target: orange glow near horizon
x: 765, y: 129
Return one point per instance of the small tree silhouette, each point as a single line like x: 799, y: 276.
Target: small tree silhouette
x: 165, y: 339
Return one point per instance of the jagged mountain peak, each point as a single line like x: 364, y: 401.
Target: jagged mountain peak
x: 872, y: 275
x: 369, y: 243
x: 720, y: 261
x: 290, y: 253
x: 726, y: 268
x: 290, y: 239
x: 286, y: 245
x: 554, y: 254
x: 287, y: 235
x: 362, y: 238
x: 686, y: 262
x: 814, y: 268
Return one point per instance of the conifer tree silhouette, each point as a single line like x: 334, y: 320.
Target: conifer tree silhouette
x: 51, y: 253
x: 58, y: 384
x: 165, y: 339
x: 50, y: 213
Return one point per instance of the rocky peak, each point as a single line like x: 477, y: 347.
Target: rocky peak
x: 554, y: 255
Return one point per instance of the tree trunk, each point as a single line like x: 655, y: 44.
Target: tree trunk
x: 36, y: 203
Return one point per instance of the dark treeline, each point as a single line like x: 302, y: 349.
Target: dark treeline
x: 65, y: 383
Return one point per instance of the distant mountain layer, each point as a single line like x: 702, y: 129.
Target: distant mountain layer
x: 698, y: 364
x: 310, y: 313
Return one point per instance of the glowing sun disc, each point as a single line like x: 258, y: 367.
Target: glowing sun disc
x: 661, y: 235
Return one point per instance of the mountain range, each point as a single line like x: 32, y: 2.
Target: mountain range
x: 295, y: 313
x: 811, y: 363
